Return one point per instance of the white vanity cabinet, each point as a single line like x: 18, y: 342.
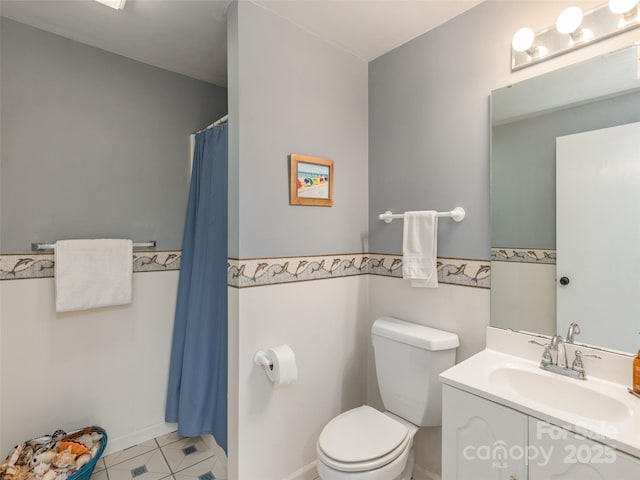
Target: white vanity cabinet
x: 476, y: 438
x: 482, y: 440
x: 564, y: 455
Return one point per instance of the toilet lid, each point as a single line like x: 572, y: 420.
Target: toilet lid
x: 361, y: 435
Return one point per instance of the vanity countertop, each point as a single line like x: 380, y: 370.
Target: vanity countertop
x: 595, y: 408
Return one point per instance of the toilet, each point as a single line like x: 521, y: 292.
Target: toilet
x: 366, y: 444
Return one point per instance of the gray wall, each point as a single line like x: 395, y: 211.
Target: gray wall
x: 428, y: 141
x: 297, y: 94
x: 429, y: 149
x: 429, y: 120
x: 523, y: 168
x: 94, y: 144
x: 290, y: 92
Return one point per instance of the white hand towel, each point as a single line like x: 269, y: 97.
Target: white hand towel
x: 93, y: 273
x: 419, y: 248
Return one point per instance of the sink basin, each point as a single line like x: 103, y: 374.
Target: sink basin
x: 599, y: 408
x: 561, y: 393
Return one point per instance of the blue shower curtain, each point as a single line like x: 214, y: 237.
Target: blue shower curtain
x: 197, y: 393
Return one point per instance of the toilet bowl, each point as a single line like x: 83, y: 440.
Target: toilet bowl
x: 366, y: 444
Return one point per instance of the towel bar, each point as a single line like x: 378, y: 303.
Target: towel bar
x: 52, y: 246
x: 457, y: 214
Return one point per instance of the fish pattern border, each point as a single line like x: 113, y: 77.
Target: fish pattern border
x: 253, y: 272
x: 41, y: 265
x: 524, y: 255
x: 270, y: 271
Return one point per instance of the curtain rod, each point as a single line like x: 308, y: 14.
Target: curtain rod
x: 220, y: 121
x: 52, y: 246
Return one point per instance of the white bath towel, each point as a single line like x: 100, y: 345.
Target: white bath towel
x: 419, y: 248
x: 93, y: 273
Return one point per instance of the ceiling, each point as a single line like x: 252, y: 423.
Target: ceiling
x: 189, y: 36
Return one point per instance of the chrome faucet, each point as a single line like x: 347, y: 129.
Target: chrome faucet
x: 560, y: 364
x: 574, y: 329
x: 558, y: 344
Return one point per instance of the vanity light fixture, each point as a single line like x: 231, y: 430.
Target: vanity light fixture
x: 623, y: 7
x: 115, y: 4
x: 627, y: 9
x: 573, y: 29
x: 523, y: 41
x: 568, y: 23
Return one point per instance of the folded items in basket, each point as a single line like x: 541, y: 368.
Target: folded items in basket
x: 93, y: 273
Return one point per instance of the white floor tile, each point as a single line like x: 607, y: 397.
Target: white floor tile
x: 220, y: 468
x: 153, y: 463
x: 191, y: 457
x: 99, y: 475
x: 99, y: 465
x: 122, y: 475
x: 209, y: 469
x: 186, y: 452
x: 169, y: 438
x: 124, y: 455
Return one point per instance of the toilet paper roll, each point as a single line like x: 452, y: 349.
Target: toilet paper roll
x: 283, y: 367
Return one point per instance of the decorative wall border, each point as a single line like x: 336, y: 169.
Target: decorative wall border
x: 453, y: 271
x: 242, y: 273
x: 523, y: 255
x: 41, y: 265
x: 253, y: 272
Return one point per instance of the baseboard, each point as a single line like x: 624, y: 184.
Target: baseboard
x: 308, y: 472
x: 134, y: 438
x: 421, y: 473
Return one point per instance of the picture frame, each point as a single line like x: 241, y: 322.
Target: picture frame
x: 310, y: 181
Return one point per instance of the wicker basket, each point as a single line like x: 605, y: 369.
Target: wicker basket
x: 84, y: 473
x: 87, y: 470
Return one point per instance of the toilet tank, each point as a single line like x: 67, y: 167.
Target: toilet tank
x: 409, y: 357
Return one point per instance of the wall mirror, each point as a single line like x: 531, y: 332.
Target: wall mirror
x: 565, y: 202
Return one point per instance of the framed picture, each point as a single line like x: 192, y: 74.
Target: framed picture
x: 311, y: 181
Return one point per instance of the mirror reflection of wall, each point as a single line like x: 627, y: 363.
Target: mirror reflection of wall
x: 527, y: 119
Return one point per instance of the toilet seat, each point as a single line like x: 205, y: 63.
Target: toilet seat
x: 362, y: 439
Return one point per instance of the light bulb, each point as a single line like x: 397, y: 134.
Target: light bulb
x: 523, y: 39
x: 569, y: 20
x: 620, y: 7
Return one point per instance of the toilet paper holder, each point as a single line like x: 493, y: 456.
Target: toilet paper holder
x: 261, y: 359
x: 279, y: 364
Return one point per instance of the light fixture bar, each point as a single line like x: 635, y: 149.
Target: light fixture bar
x: 115, y: 4
x: 600, y: 23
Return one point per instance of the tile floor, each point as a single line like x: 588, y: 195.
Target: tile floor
x: 169, y: 457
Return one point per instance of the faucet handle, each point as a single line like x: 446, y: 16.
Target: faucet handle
x: 546, y: 355
x: 579, y: 354
x: 578, y: 365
